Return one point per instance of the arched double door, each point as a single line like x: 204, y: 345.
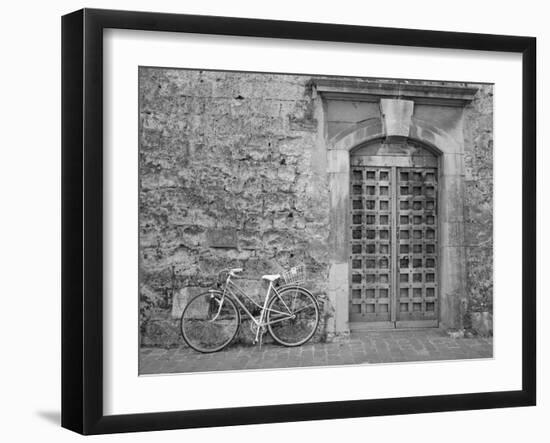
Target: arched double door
x: 393, y: 239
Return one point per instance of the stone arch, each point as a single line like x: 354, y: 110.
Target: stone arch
x: 451, y: 196
x: 435, y: 139
x: 358, y: 134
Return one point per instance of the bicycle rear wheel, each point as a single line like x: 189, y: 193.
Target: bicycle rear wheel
x: 292, y: 316
x: 209, y: 322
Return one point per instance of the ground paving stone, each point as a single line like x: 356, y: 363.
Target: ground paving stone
x: 360, y: 348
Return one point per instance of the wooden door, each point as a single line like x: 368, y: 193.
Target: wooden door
x: 393, y: 237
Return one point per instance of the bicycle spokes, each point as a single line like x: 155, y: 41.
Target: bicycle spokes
x: 293, y: 316
x: 209, y: 322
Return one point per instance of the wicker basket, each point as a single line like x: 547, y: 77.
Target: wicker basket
x: 294, y: 275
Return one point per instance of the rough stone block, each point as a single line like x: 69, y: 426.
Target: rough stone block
x: 482, y: 323
x: 162, y: 333
x: 223, y: 238
x: 180, y: 299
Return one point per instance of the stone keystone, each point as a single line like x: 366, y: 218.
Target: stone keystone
x: 396, y: 116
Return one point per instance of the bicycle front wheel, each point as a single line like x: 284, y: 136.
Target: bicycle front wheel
x: 292, y: 316
x: 209, y: 322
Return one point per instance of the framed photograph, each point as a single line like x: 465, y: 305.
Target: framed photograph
x: 269, y: 221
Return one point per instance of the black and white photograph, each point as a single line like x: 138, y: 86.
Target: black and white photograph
x: 293, y: 220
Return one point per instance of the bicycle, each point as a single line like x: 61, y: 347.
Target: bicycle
x: 290, y: 313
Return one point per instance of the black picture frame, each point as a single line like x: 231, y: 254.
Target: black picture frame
x: 82, y: 216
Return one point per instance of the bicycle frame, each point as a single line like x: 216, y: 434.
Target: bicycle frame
x: 234, y: 291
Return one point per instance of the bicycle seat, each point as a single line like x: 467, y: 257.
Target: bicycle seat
x: 271, y: 277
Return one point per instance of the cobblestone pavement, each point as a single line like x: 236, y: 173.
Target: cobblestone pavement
x: 366, y: 348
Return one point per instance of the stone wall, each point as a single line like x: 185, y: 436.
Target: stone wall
x: 226, y: 180
x: 478, y: 208
x: 231, y: 176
